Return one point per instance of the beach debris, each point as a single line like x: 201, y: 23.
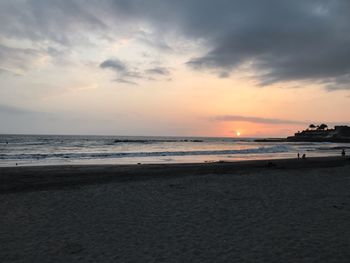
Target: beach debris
x: 303, y: 156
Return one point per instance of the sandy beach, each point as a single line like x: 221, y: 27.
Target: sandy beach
x: 253, y: 211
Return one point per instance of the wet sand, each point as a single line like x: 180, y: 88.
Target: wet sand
x: 283, y: 211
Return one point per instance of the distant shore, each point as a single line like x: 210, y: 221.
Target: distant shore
x: 286, y: 210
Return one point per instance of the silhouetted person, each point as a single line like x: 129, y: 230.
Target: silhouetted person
x: 343, y: 153
x: 304, y: 156
x: 298, y: 155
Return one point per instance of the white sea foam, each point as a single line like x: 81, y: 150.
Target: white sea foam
x: 259, y: 150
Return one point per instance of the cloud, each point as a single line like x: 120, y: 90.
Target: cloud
x: 224, y: 75
x: 3, y: 71
x: 114, y: 64
x: 17, y: 59
x: 126, y: 81
x: 341, y: 83
x: 127, y: 74
x: 122, y: 70
x: 154, y: 40
x: 10, y: 110
x: 159, y: 71
x: 6, y: 109
x: 281, y: 40
x: 134, y: 74
x: 54, y: 21
x: 33, y: 29
x: 257, y: 120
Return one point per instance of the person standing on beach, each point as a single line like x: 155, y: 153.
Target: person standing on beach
x: 343, y: 152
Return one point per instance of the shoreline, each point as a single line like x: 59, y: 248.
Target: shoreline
x: 36, y: 178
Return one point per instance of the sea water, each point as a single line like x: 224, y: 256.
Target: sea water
x: 67, y: 149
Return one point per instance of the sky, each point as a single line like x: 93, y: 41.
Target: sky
x: 177, y: 68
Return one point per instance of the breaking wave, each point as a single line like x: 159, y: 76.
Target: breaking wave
x: 104, y: 155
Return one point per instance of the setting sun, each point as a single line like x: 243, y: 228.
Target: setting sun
x: 238, y: 133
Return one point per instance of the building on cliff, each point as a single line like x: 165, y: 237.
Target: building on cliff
x: 338, y: 134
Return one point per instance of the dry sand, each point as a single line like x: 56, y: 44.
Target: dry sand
x: 290, y: 211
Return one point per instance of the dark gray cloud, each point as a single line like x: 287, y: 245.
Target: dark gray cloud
x: 123, y: 71
x: 34, y: 28
x: 257, y: 120
x: 284, y: 41
x: 114, y: 64
x: 136, y: 74
x: 159, y: 71
x: 281, y: 40
x: 339, y: 83
x: 54, y: 20
x: 125, y: 81
x: 121, y: 68
x: 154, y: 40
x: 128, y: 75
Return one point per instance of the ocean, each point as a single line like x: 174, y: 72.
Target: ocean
x: 27, y: 150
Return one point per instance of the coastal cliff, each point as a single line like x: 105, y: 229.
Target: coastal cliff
x: 319, y: 133
x: 338, y: 134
